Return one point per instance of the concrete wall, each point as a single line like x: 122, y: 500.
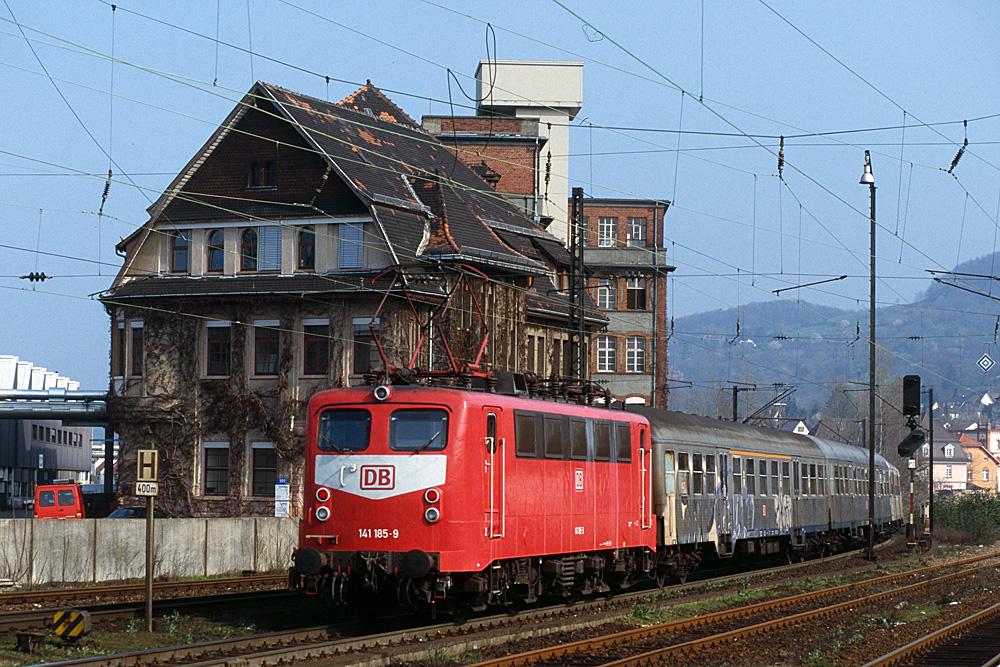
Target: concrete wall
x: 100, y: 550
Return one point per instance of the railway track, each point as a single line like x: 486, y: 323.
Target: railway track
x: 321, y: 642
x: 161, y: 589
x: 974, y: 641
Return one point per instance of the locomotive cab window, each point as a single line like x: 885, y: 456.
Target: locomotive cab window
x: 422, y: 430
x: 491, y: 432
x: 343, y: 430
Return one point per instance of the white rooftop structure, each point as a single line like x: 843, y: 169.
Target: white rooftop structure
x: 16, y: 374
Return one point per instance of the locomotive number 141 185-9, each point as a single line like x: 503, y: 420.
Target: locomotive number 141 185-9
x: 379, y: 533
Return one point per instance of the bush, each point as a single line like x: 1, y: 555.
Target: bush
x: 977, y: 514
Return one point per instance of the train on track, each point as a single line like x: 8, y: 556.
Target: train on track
x: 457, y: 499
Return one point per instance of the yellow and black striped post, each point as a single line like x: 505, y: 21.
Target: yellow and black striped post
x: 71, y: 624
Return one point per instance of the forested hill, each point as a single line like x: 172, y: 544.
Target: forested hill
x: 940, y: 336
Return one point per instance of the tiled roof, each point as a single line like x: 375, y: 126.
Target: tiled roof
x: 372, y: 101
x: 256, y: 285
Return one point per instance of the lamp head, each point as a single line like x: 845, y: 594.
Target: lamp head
x: 868, y: 178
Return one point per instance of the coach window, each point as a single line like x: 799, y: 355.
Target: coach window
x: 737, y: 475
x: 524, y: 434
x: 602, y: 441
x: 343, y: 430
x: 418, y: 430
x: 623, y: 442
x: 786, y: 485
x: 774, y: 478
x: 668, y: 472
x: 795, y: 477
x: 821, y: 470
x: 710, y: 473
x: 578, y: 439
x: 697, y: 475
x: 554, y: 441
x: 762, y: 473
x: 812, y: 479
x: 750, y: 479
x: 683, y: 481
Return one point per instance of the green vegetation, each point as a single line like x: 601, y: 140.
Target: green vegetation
x: 968, y: 518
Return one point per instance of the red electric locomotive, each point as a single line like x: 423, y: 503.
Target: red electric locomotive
x: 431, y: 495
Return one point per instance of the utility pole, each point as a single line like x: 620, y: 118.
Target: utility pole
x: 577, y: 287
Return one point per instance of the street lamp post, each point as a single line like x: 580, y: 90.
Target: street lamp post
x: 867, y: 178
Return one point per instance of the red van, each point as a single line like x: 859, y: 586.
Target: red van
x: 66, y: 499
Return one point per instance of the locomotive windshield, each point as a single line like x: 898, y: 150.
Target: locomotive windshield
x: 344, y: 430
x: 418, y: 430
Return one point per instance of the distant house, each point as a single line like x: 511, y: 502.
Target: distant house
x: 259, y: 280
x: 983, y: 465
x: 951, y: 461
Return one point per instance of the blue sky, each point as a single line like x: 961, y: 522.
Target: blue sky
x: 749, y: 70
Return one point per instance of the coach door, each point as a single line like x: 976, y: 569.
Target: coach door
x: 495, y: 470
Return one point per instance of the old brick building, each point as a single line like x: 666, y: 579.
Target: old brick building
x: 258, y: 279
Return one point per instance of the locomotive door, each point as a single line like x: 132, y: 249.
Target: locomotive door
x: 495, y: 470
x: 646, y: 479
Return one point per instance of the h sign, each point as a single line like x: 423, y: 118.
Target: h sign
x: 148, y: 469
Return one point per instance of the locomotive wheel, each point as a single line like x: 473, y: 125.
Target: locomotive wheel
x: 661, y: 576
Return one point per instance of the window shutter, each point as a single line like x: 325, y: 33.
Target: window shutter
x: 270, y: 248
x: 351, y: 246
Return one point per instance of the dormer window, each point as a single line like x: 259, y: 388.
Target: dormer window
x: 179, y: 252
x: 949, y: 451
x: 216, y: 251
x: 263, y: 175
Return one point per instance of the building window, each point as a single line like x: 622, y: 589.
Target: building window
x: 531, y: 355
x: 350, y: 252
x: 605, y: 354
x: 248, y: 250
x: 365, y: 351
x: 216, y: 246
x: 137, y: 339
x: 265, y: 347
x: 607, y: 296
x: 265, y: 469
x: 635, y: 354
x: 947, y: 471
x: 179, y: 245
x: 219, y: 348
x: 949, y: 451
x: 637, y: 231
x: 216, y: 468
x: 315, y: 347
x: 307, y: 249
x: 607, y: 232
x: 635, y: 293
x: 119, y: 346
x: 263, y: 175
x: 986, y: 474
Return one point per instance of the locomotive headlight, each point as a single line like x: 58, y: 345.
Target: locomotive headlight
x: 382, y: 392
x: 432, y: 495
x: 322, y: 513
x: 322, y: 494
x: 432, y: 514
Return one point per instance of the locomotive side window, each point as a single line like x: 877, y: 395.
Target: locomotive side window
x: 554, y: 441
x: 737, y: 475
x: 623, y: 442
x: 491, y: 432
x: 786, y: 486
x: 697, y: 475
x: 422, y: 430
x: 578, y: 439
x: 524, y: 434
x: 750, y: 478
x: 343, y: 430
x: 668, y: 472
x: 602, y: 441
x: 710, y: 474
x: 683, y: 485
x: 774, y: 478
x: 762, y: 473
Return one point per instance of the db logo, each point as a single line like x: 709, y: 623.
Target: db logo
x: 378, y: 477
